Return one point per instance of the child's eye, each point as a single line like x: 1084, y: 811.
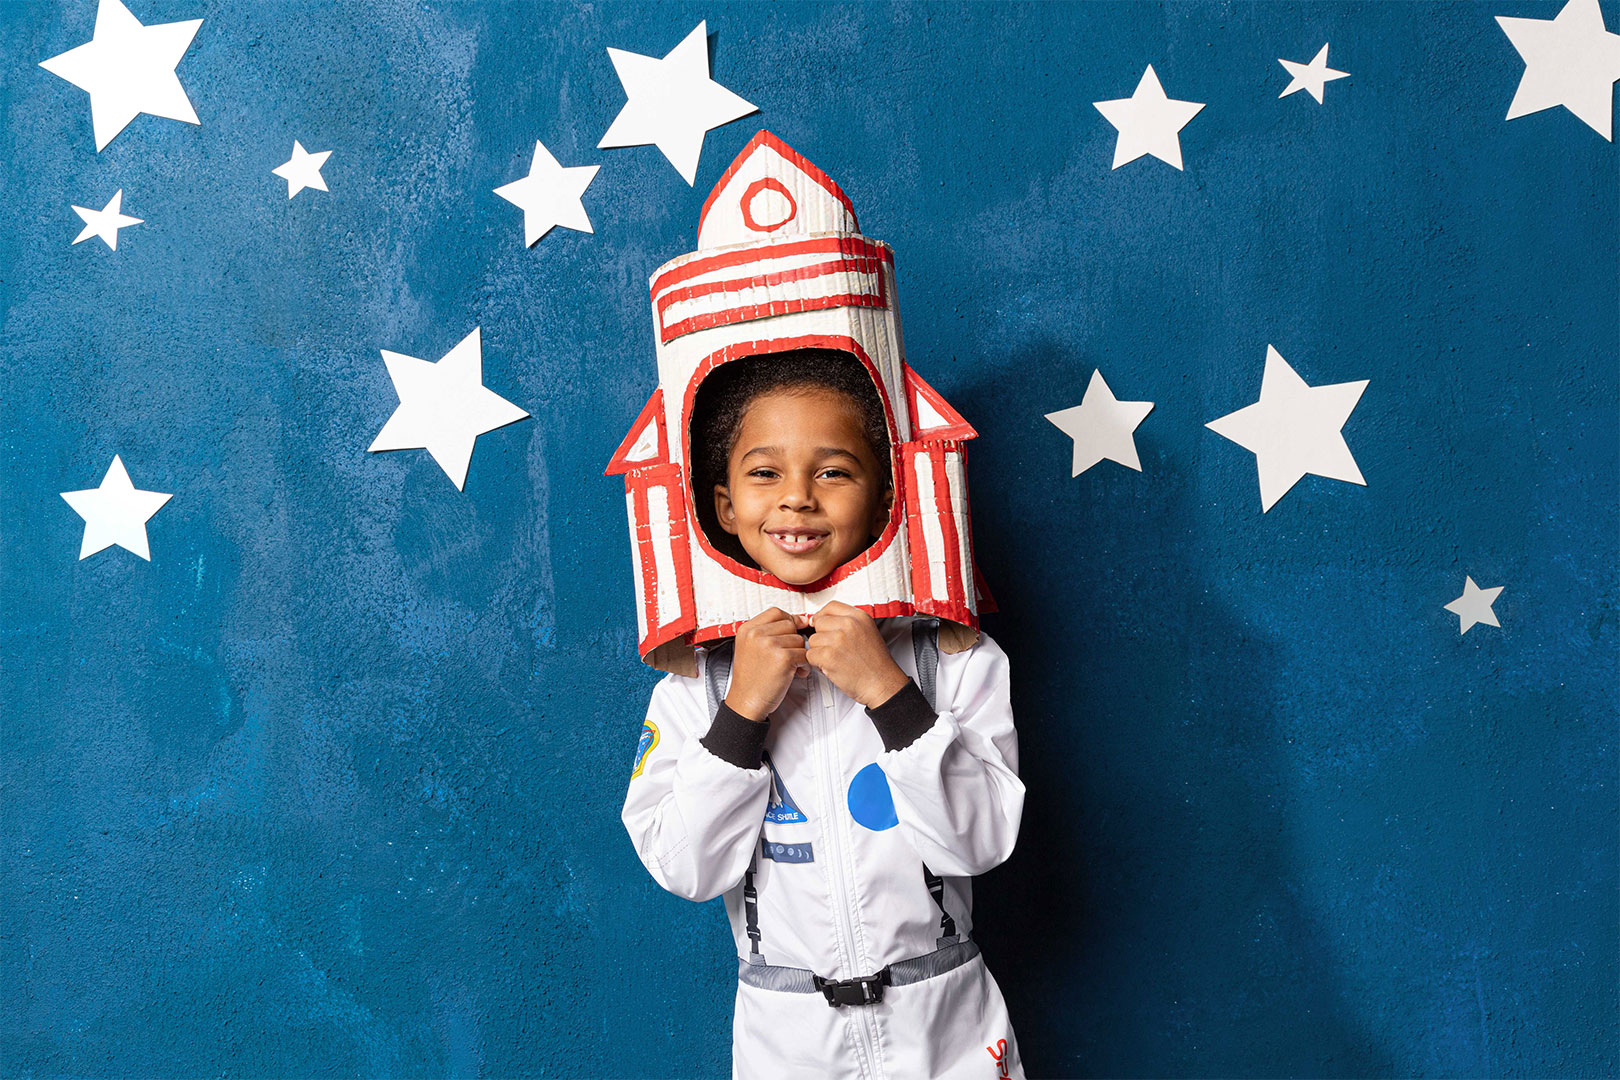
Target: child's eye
x: 834, y: 472
x: 763, y: 473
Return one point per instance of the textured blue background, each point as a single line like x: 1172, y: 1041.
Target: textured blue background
x: 331, y: 786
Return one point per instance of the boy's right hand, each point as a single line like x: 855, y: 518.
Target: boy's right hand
x: 768, y: 655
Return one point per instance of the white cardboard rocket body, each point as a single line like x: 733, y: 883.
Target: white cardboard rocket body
x: 781, y: 264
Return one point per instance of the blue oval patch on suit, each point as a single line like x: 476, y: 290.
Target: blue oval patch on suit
x: 870, y: 802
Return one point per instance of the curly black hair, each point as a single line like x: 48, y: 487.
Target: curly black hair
x: 723, y: 399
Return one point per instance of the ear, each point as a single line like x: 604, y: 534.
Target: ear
x: 724, y: 512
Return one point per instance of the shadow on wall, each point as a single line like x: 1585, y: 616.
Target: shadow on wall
x: 1149, y: 922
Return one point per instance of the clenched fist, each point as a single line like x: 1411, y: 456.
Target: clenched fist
x: 848, y: 649
x: 768, y: 655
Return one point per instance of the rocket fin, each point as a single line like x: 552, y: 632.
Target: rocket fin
x: 932, y: 417
x: 646, y: 443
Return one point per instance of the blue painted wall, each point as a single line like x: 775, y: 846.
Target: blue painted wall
x: 331, y: 786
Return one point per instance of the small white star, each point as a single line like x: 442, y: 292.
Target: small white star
x: 1474, y: 605
x: 1311, y: 77
x: 1148, y: 122
x: 1294, y: 429
x: 128, y: 69
x: 115, y: 513
x: 444, y: 406
x: 1571, y: 60
x: 550, y: 195
x: 672, y: 102
x: 1101, y: 426
x: 302, y: 170
x: 105, y: 222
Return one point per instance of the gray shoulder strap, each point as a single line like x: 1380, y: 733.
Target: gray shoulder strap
x: 717, y: 674
x: 716, y: 681
x: 925, y: 647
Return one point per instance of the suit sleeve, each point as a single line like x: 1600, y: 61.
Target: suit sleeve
x: 696, y: 799
x: 953, y: 773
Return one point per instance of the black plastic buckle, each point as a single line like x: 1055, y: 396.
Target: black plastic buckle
x: 866, y: 990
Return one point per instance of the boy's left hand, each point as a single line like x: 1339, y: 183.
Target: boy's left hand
x: 847, y: 648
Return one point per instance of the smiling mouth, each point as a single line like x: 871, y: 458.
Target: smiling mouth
x: 797, y: 541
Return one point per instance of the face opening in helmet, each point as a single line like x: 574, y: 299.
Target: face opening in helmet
x: 792, y: 472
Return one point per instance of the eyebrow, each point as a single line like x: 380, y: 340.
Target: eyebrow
x: 821, y: 452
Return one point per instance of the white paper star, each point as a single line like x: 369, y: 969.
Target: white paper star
x: 302, y: 170
x: 550, y: 195
x: 128, y: 69
x: 1474, y: 605
x: 1570, y: 60
x: 672, y: 102
x: 444, y: 406
x: 1294, y: 429
x: 105, y: 222
x: 115, y: 513
x: 1101, y: 426
x: 1311, y: 77
x: 1148, y: 122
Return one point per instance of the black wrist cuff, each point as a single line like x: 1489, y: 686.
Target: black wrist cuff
x: 735, y: 738
x: 904, y: 717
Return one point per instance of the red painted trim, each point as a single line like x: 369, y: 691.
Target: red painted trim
x: 765, y: 348
x: 944, y: 609
x: 954, y: 585
x: 953, y: 541
x: 671, y: 478
x: 644, y: 552
x: 953, y: 605
x: 711, y: 319
x: 766, y: 183
x: 850, y: 247
x: 650, y: 413
x: 918, y: 539
x: 765, y: 138
x: 769, y: 278
x: 923, y: 587
x: 681, y: 552
x: 955, y: 426
x: 703, y: 635
x: 726, y: 316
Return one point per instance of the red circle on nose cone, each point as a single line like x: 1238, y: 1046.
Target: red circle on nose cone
x: 767, y: 183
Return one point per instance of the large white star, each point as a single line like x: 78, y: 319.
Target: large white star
x: 1101, y: 426
x: 128, y: 69
x: 1474, y: 605
x: 1571, y: 61
x: 1294, y: 429
x: 116, y: 512
x: 550, y: 195
x: 1311, y: 77
x: 444, y: 406
x: 303, y: 170
x: 672, y: 102
x: 105, y: 222
x: 1148, y: 122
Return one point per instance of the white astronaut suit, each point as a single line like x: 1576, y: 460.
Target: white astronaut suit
x: 843, y: 839
x: 822, y: 855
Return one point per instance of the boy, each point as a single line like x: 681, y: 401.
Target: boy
x: 804, y: 773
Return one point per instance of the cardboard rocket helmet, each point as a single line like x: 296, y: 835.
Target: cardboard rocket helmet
x: 781, y: 265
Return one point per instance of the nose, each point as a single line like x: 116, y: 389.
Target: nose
x: 798, y: 493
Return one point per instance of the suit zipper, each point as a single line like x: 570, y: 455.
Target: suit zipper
x: 833, y: 775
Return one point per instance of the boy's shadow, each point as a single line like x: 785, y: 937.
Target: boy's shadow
x: 1149, y: 922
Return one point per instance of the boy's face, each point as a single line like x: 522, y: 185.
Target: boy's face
x: 805, y: 492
